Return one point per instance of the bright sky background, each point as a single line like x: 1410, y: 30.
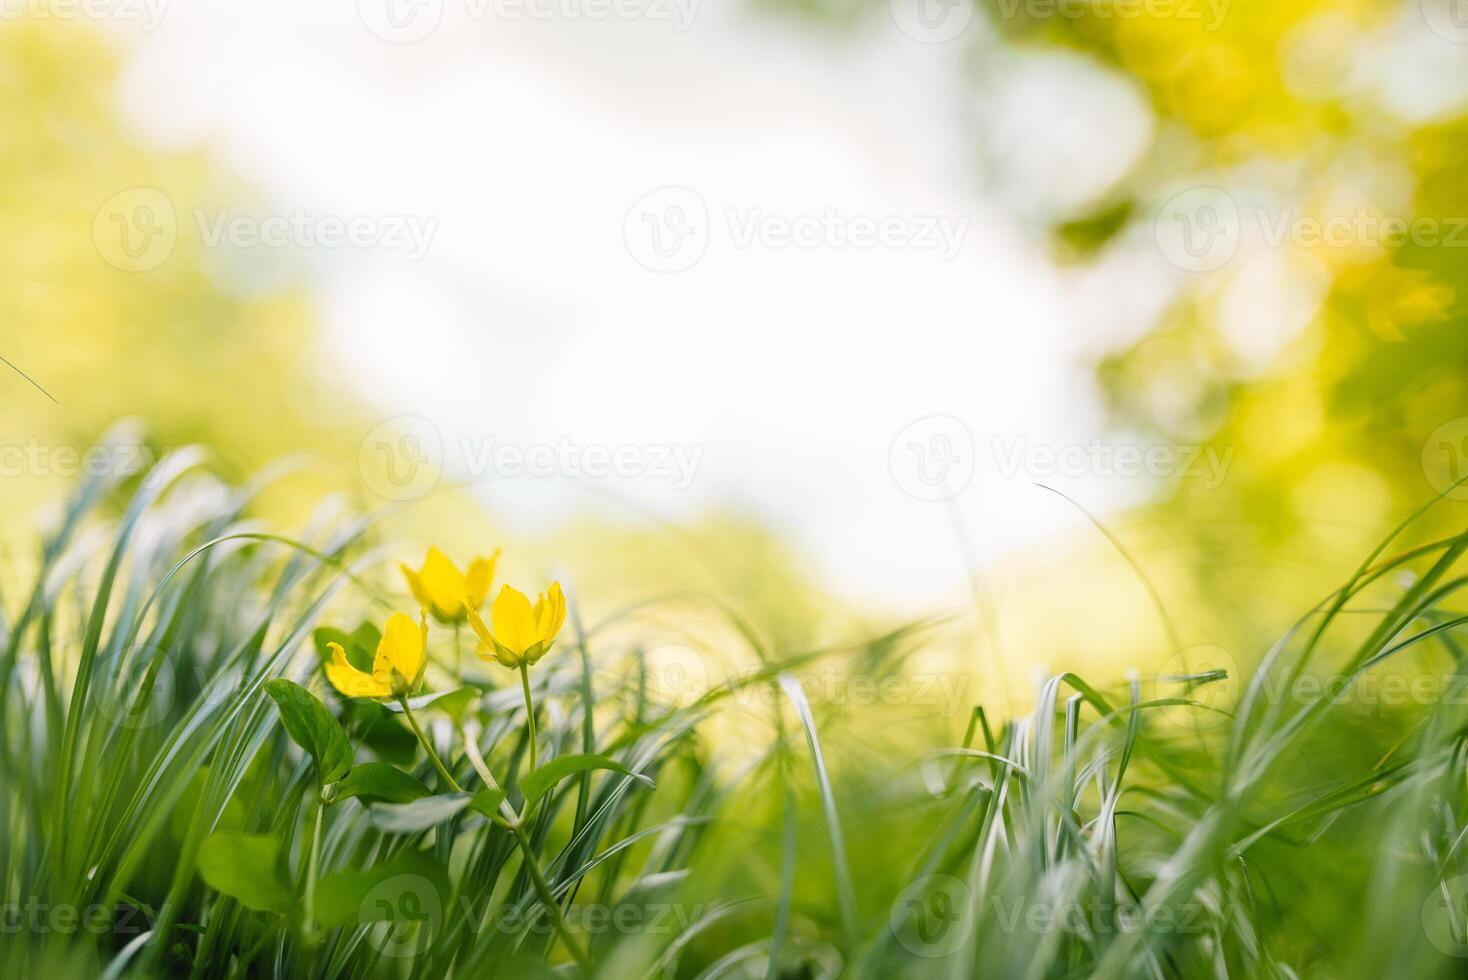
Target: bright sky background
x: 792, y: 370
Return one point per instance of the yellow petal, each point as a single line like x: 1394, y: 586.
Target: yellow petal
x: 513, y: 620
x: 550, y: 614
x: 476, y: 623
x: 351, y: 681
x: 481, y: 573
x: 444, y: 585
x: 400, y: 651
x: 415, y: 585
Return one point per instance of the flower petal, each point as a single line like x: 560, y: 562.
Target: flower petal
x: 480, y: 574
x: 444, y: 586
x: 351, y: 681
x: 550, y: 614
x: 476, y: 623
x: 513, y: 620
x: 415, y: 585
x: 401, y: 650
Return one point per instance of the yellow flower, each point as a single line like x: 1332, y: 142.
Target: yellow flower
x: 440, y: 587
x: 397, y: 668
x: 520, y: 634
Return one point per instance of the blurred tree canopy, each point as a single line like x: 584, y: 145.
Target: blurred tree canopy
x: 200, y: 363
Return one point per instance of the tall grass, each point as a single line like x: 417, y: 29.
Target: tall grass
x: 159, y: 819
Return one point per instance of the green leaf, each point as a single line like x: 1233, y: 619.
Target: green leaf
x: 487, y: 801
x: 539, y: 782
x: 313, y: 728
x: 382, y: 732
x: 367, y: 637
x: 360, y: 645
x: 453, y: 703
x: 246, y: 867
x: 377, y: 782
x: 409, y: 888
x: 323, y: 636
x: 408, y: 818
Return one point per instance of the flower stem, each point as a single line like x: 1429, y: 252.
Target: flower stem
x: 513, y: 821
x: 443, y: 772
x: 548, y: 898
x: 313, y: 866
x: 529, y: 709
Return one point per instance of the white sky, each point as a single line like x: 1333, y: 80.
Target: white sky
x: 793, y: 370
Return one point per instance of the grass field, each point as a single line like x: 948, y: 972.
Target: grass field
x: 187, y: 795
